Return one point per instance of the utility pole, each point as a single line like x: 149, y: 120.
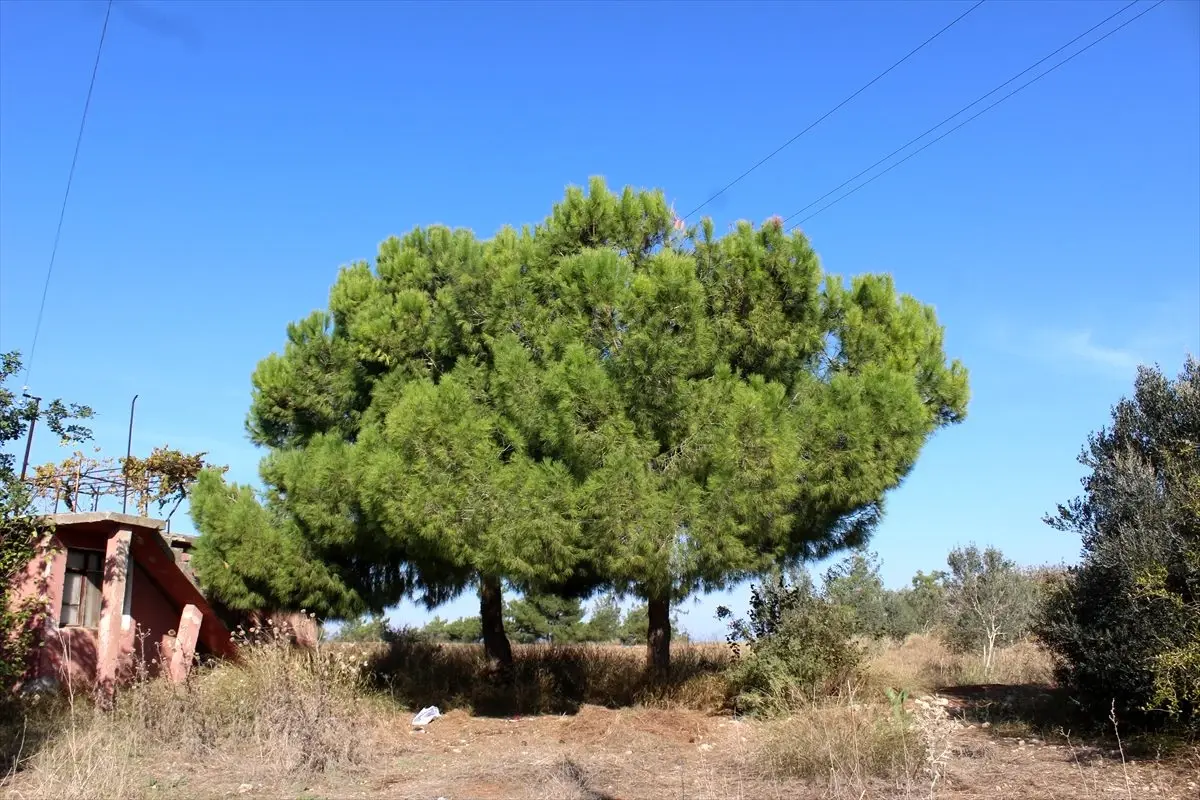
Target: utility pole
x: 37, y: 404
x: 128, y: 453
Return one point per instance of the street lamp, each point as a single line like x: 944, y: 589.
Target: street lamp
x: 128, y: 453
x: 37, y: 403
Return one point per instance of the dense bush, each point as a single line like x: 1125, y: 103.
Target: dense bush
x: 1124, y: 625
x: 799, y: 648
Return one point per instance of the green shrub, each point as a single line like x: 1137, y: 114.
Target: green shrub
x: 799, y: 648
x: 1124, y: 626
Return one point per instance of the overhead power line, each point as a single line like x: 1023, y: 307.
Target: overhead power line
x: 37, y: 327
x: 831, y: 111
x: 932, y: 142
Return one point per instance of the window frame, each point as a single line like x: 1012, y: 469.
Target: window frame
x: 90, y: 580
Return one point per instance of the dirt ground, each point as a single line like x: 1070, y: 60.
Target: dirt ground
x: 648, y: 754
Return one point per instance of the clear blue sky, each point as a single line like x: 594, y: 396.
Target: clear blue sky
x: 237, y: 153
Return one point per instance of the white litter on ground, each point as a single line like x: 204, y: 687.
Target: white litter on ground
x: 426, y: 716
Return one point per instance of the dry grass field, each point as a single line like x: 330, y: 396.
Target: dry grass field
x: 577, y: 723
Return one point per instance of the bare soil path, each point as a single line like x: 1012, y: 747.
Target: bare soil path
x: 648, y: 754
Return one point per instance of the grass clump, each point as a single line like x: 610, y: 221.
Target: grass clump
x: 857, y: 749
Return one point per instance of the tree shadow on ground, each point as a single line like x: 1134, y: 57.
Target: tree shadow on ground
x: 1039, y: 706
x: 544, y: 679
x: 26, y: 724
x: 1049, y: 713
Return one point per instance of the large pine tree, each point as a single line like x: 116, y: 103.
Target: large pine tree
x: 598, y: 400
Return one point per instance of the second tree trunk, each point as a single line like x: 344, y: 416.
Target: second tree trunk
x: 658, y: 640
x: 491, y: 616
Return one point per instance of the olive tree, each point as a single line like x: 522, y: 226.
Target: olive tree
x: 1124, y: 625
x: 991, y: 600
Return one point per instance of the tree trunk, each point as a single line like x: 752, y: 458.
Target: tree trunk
x: 491, y: 615
x: 658, y: 640
x: 989, y: 652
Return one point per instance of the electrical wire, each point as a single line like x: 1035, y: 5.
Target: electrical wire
x: 70, y: 177
x: 831, y: 111
x: 972, y: 117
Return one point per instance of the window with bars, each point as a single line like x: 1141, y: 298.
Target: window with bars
x: 81, y: 588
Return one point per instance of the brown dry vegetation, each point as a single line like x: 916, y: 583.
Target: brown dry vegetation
x: 924, y: 663
x: 578, y: 723
x: 548, y: 679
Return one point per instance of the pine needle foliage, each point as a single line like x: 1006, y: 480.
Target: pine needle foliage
x: 597, y: 400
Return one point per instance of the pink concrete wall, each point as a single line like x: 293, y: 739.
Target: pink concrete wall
x: 156, y: 616
x: 47, y: 583
x: 69, y: 654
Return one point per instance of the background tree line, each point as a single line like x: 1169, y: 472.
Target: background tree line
x: 983, y: 601
x: 537, y: 619
x: 980, y: 602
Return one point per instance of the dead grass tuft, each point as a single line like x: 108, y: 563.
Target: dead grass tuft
x: 857, y: 749
x: 571, y: 779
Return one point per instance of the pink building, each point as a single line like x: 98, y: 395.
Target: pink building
x: 112, y: 590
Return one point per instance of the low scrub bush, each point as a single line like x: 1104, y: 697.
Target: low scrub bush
x: 301, y: 706
x: 799, y: 648
x: 850, y: 745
